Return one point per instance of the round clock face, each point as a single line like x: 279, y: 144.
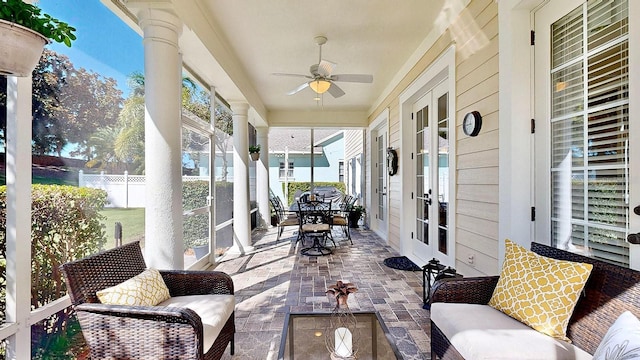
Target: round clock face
x: 472, y: 123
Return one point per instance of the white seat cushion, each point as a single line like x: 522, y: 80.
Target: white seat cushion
x: 214, y: 310
x: 482, y: 332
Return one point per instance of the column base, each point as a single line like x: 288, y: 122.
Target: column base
x: 237, y: 250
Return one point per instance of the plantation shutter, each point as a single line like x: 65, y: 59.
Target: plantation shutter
x: 589, y: 130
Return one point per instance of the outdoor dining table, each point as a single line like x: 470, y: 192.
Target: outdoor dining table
x: 314, y: 214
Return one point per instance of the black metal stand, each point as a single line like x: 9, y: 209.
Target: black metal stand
x: 431, y: 272
x: 316, y: 249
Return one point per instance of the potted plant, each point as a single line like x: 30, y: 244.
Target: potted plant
x: 254, y: 152
x: 24, y: 31
x: 355, y: 214
x: 200, y: 246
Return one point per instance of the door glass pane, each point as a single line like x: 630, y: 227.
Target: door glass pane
x: 381, y: 178
x: 566, y: 38
x: 422, y: 173
x: 443, y: 172
x: 606, y: 21
x: 567, y: 142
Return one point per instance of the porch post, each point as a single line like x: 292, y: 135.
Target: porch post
x: 18, y: 215
x: 164, y: 243
x: 241, y: 223
x: 262, y: 178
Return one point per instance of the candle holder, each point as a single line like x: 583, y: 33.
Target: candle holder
x: 431, y: 272
x: 341, y: 333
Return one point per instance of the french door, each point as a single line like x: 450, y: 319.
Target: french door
x: 381, y: 181
x: 431, y: 160
x: 586, y: 146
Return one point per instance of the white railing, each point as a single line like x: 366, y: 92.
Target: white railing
x: 123, y: 191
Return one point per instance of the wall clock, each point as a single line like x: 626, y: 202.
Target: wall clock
x: 472, y: 123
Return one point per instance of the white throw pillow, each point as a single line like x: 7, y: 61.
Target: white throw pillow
x: 146, y: 289
x: 622, y: 341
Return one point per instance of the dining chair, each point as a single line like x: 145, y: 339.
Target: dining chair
x: 341, y: 219
x: 315, y: 223
x: 284, y: 219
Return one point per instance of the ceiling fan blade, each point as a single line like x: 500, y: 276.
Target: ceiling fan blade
x: 325, y: 68
x: 299, y: 88
x: 357, y: 78
x: 335, y: 90
x: 294, y: 75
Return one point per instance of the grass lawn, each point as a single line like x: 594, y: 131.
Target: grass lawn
x: 132, y: 221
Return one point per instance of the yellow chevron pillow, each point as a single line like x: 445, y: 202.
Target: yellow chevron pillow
x: 539, y: 291
x: 144, y: 289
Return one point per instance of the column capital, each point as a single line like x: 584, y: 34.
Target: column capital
x: 157, y: 19
x: 239, y: 107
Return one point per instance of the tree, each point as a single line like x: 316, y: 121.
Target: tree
x: 68, y: 105
x: 104, y: 152
x: 129, y: 145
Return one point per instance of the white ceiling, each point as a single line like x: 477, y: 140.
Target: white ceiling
x: 252, y: 39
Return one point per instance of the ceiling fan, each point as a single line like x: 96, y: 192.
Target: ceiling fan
x: 322, y: 78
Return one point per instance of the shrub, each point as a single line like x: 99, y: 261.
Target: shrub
x: 196, y: 227
x: 65, y: 226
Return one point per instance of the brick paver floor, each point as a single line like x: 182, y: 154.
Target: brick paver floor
x: 276, y: 279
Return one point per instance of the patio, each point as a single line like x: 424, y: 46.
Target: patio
x: 276, y: 279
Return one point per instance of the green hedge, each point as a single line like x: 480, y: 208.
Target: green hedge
x: 306, y: 186
x: 65, y: 226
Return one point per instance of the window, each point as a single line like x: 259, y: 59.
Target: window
x: 589, y: 130
x: 341, y: 171
x: 289, y: 171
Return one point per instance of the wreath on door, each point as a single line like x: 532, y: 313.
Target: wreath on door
x: 392, y: 161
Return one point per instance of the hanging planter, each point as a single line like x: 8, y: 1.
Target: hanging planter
x: 254, y: 152
x: 24, y: 31
x: 20, y: 50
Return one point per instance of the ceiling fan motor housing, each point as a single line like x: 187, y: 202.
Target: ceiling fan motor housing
x: 313, y: 69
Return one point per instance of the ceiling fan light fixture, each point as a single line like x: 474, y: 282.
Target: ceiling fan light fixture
x: 319, y: 86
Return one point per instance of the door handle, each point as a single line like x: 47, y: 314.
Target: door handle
x: 636, y: 210
x: 634, y: 239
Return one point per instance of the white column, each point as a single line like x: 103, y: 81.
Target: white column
x: 164, y: 243
x: 18, y: 231
x: 241, y: 219
x: 262, y: 178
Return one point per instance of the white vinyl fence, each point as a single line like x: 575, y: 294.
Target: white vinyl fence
x: 123, y: 191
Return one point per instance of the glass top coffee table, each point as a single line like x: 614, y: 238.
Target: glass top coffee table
x: 303, y: 337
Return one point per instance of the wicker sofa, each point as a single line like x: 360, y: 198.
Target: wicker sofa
x: 609, y: 292
x: 190, y: 325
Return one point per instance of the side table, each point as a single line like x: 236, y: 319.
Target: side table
x: 431, y: 272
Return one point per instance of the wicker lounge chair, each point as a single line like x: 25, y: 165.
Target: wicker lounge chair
x: 149, y: 332
x: 610, y: 291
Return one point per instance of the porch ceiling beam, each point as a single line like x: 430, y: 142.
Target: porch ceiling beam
x: 318, y: 119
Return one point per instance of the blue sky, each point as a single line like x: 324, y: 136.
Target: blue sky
x: 105, y: 44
